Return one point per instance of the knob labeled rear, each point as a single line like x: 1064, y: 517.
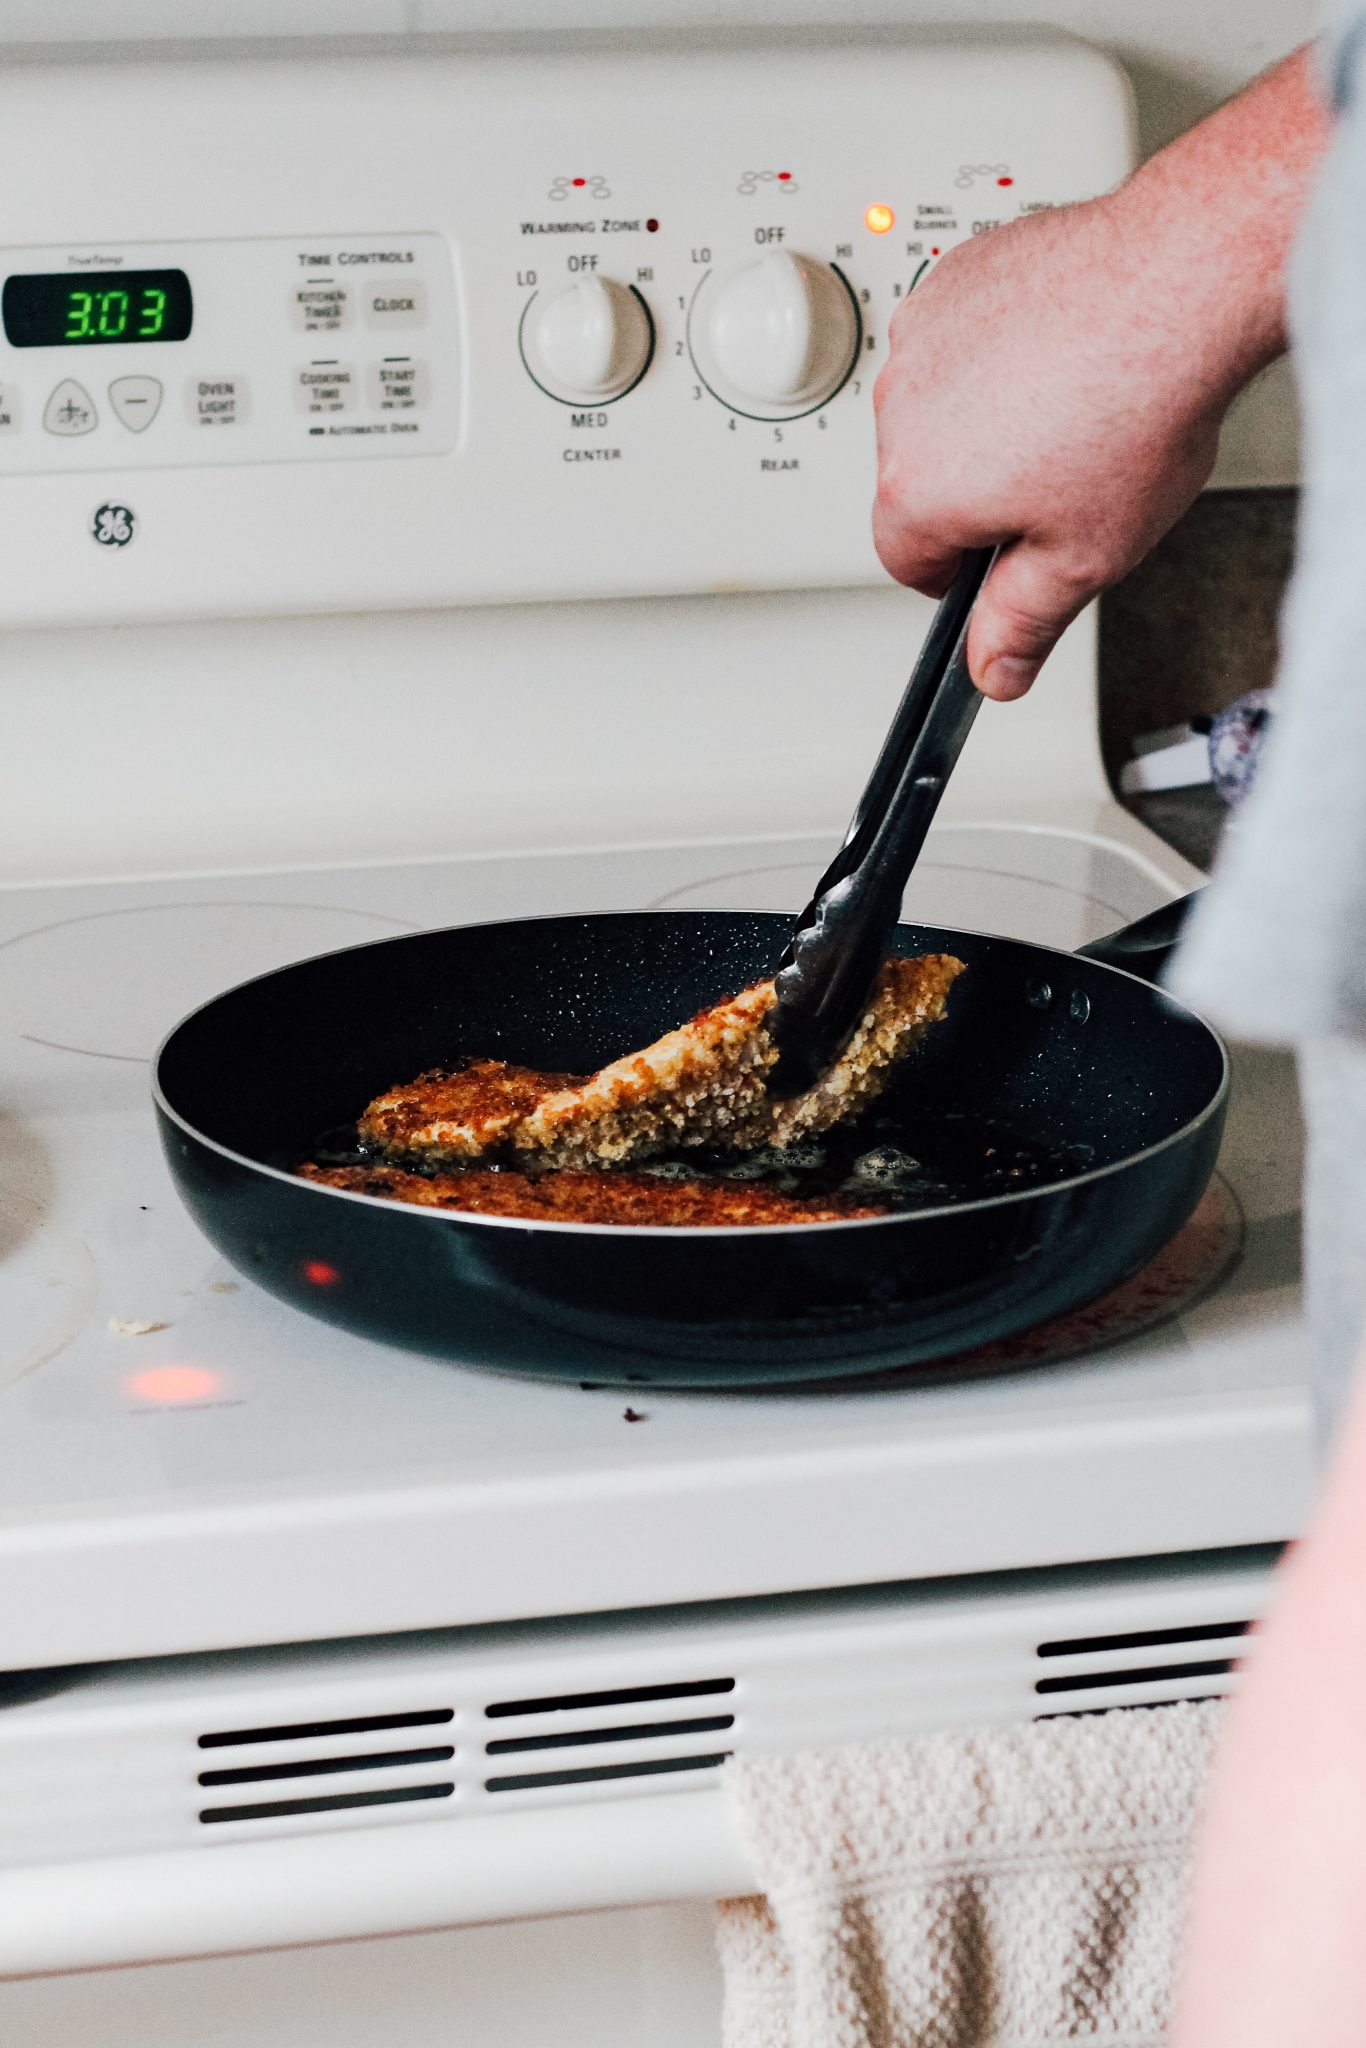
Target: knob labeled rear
x: 589, y: 343
x: 776, y: 338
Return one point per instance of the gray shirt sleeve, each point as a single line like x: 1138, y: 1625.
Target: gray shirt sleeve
x: 1277, y: 950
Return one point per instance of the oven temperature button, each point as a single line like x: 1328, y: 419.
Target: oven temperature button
x: 589, y: 343
x: 777, y: 338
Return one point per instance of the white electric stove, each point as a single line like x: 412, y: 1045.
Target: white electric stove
x: 303, y: 1639
x: 543, y: 1616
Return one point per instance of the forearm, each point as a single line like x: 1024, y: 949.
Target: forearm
x: 1207, y: 225
x: 1275, y: 1942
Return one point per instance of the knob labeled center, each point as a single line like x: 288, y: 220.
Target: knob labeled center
x: 589, y: 343
x: 776, y: 338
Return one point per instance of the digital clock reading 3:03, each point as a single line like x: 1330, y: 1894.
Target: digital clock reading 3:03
x: 86, y: 308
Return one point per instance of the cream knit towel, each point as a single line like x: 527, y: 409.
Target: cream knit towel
x: 1012, y: 1888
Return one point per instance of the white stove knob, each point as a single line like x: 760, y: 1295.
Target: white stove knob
x: 588, y: 343
x: 779, y: 336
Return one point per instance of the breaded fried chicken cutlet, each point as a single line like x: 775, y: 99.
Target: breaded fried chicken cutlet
x: 570, y: 1197
x: 704, y: 1084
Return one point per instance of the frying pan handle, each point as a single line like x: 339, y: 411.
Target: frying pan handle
x: 1143, y: 948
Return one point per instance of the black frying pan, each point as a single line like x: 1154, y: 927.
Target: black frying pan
x: 1118, y: 1088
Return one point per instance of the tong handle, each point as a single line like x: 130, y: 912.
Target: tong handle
x: 837, y: 946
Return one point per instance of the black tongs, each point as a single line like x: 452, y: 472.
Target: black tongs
x: 826, y: 975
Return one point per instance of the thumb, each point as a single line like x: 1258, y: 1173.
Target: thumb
x: 1028, y: 600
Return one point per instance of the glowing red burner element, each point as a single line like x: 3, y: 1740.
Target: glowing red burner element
x: 580, y: 181
x: 1005, y: 181
x: 319, y: 1274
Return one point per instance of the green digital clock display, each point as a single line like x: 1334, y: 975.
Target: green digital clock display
x: 89, y: 309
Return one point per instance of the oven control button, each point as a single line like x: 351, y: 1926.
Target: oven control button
x: 398, y: 384
x: 216, y: 401
x: 325, y: 387
x: 70, y: 409
x: 589, y: 343
x: 319, y: 306
x: 388, y: 306
x: 136, y: 401
x: 776, y: 338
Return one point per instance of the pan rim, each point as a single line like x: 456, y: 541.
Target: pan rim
x: 446, y: 1218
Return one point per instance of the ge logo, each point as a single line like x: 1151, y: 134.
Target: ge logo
x: 596, y: 187
x: 113, y: 526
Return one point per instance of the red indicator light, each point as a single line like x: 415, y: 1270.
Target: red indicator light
x: 652, y: 227
x: 580, y: 181
x: 319, y: 1274
x: 784, y: 177
x: 934, y: 252
x: 174, y: 1386
x: 1005, y: 181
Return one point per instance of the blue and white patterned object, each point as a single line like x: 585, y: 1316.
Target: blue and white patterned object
x: 1235, y: 744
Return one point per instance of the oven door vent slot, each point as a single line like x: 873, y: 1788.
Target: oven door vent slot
x: 287, y: 1809
x: 624, y: 1739
x: 601, y: 1774
x: 307, y: 1731
x: 621, y: 1696
x: 290, y: 1754
x: 1131, y: 1668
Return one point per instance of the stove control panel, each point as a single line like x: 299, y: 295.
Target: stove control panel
x: 269, y: 350
x: 306, y: 334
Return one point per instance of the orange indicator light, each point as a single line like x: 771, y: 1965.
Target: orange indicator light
x: 879, y: 219
x: 175, y: 1386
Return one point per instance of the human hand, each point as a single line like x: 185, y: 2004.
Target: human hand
x: 1027, y: 401
x: 1057, y: 386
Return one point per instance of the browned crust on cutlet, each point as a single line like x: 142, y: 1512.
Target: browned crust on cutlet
x: 589, y: 1197
x: 703, y: 1084
x: 707, y: 1084
x: 456, y: 1112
